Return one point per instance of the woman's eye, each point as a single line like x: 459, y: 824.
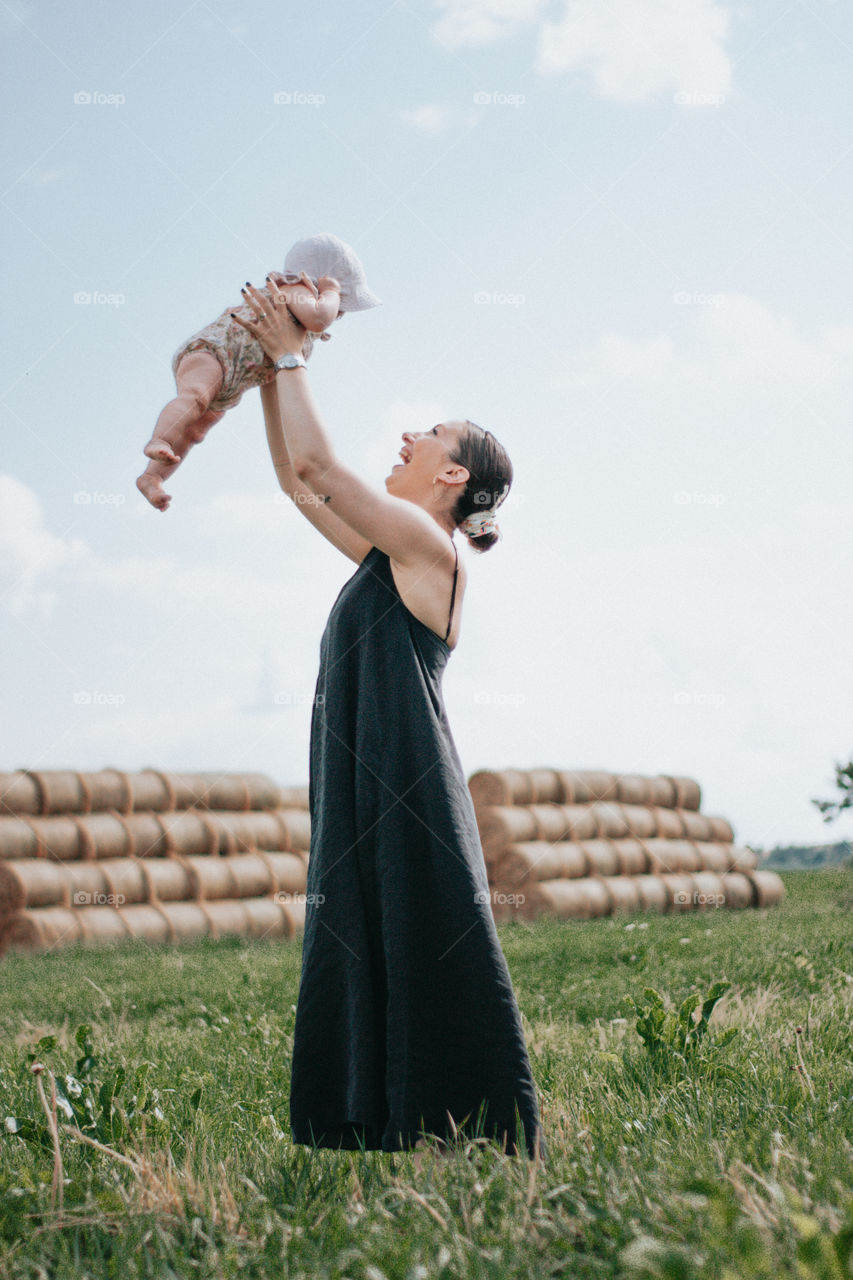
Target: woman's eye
x: 435, y: 431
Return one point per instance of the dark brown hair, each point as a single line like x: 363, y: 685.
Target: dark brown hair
x: 489, y: 469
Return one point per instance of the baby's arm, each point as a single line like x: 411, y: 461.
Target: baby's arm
x: 315, y: 309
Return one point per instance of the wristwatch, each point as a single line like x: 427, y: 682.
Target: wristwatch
x: 289, y: 361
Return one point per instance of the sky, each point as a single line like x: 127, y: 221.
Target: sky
x: 617, y: 233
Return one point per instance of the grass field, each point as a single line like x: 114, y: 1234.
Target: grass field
x: 684, y: 1151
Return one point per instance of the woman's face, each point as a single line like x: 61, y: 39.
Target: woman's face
x: 425, y: 455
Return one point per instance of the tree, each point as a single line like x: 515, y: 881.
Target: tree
x: 844, y: 781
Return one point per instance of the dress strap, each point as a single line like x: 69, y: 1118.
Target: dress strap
x: 453, y: 595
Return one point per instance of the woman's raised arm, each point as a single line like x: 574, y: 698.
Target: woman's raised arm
x: 403, y: 530
x: 304, y: 499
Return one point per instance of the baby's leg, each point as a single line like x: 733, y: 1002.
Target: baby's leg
x: 183, y: 422
x: 150, y: 483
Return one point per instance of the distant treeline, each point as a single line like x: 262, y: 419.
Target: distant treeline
x: 806, y: 857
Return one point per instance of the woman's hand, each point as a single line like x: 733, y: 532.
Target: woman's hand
x: 274, y: 326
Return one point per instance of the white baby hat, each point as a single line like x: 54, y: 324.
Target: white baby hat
x: 326, y: 255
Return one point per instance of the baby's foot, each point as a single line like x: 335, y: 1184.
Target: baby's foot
x: 160, y: 451
x: 151, y: 488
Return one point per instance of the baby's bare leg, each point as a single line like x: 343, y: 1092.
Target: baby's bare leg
x: 150, y: 483
x: 179, y: 426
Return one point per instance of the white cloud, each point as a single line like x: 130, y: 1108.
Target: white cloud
x: 633, y: 49
x: 636, y: 49
x: 477, y: 22
x: 432, y: 118
x: 29, y: 552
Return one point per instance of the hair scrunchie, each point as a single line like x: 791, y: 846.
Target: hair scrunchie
x: 480, y: 522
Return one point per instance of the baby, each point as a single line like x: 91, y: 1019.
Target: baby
x: 322, y: 280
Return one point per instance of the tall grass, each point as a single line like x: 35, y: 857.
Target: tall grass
x: 686, y: 1151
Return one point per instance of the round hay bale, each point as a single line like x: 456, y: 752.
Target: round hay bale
x: 742, y: 858
x: 152, y: 790
x: 565, y: 899
x: 264, y: 793
x: 227, y: 917
x: 768, y: 887
x: 185, y: 920
x: 583, y: 786
x: 679, y: 890
x: 501, y: 826
x: 653, y: 893
x: 696, y: 825
x: 148, y: 837
x: 110, y: 789
x: 18, y: 838
x: 211, y: 790
x: 674, y: 856
x: 61, y: 791
x: 147, y: 921
x: 209, y: 877
x: 241, y: 832
x: 85, y: 880
x: 609, y: 820
x: 539, y: 860
x: 663, y: 792
x: 713, y: 857
x: 294, y: 912
x: 265, y: 918
x: 188, y: 831
x: 631, y: 856
x: 292, y: 798
x: 688, y: 794
x: 708, y: 890
x: 288, y: 872
x: 295, y: 827
x: 546, y: 786
x: 103, y: 924
x: 170, y: 879
x: 721, y: 829
x: 127, y: 880
x: 32, y: 882
x: 41, y: 929
x: 58, y: 837
x: 500, y: 787
x: 251, y: 875
x: 624, y: 894
x: 600, y: 902
x: 601, y: 857
x: 639, y: 821
x: 104, y: 835
x: 19, y: 793
x: 549, y: 820
x: 632, y: 788
x: 669, y: 824
x: 738, y: 890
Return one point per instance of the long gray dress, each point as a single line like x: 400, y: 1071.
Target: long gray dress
x: 406, y: 1008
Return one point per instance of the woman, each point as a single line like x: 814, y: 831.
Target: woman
x: 407, y: 1022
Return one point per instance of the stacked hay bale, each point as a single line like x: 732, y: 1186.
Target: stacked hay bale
x: 578, y: 844
x: 110, y: 855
